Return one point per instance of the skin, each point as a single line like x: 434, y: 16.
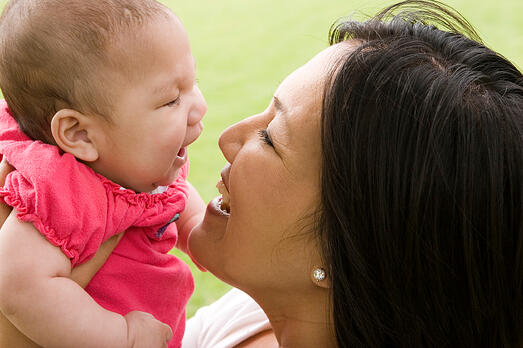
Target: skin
x: 158, y: 113
x: 265, y: 246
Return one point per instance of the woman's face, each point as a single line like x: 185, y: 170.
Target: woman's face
x: 273, y: 182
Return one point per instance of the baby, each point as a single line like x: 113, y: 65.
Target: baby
x: 101, y: 103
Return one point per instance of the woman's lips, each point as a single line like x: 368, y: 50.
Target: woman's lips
x: 224, y: 199
x: 225, y: 175
x: 223, y: 188
x: 214, y: 208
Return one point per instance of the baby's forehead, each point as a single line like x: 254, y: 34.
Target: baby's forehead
x: 130, y: 51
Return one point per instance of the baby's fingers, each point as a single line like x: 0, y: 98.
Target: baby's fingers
x: 144, y: 331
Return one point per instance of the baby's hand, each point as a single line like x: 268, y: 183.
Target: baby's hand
x: 144, y: 331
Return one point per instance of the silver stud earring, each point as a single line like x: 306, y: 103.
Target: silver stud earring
x: 319, y: 274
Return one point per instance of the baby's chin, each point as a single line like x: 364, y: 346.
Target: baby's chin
x: 168, y: 180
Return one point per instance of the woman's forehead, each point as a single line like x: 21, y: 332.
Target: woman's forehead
x: 300, y: 95
x: 309, y: 79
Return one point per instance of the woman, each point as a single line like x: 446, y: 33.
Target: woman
x: 377, y: 200
x: 393, y: 162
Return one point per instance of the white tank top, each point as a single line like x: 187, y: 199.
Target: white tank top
x: 225, y: 323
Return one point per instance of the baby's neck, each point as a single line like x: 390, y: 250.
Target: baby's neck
x: 159, y: 189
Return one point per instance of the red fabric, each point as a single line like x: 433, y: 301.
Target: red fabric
x: 77, y: 209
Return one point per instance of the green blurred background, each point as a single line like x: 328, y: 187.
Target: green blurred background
x: 245, y: 48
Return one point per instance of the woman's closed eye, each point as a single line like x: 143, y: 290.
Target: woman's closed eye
x: 264, y: 136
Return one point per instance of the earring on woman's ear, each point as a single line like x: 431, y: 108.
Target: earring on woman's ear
x: 320, y: 278
x: 319, y: 274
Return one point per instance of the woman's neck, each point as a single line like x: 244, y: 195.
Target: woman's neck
x: 292, y: 333
x: 300, y: 320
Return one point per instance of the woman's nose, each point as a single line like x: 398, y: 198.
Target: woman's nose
x: 198, y: 109
x: 233, y: 138
x: 230, y: 141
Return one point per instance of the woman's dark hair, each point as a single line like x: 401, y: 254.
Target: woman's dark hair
x: 421, y: 218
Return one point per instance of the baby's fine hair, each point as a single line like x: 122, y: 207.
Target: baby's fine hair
x: 54, y: 54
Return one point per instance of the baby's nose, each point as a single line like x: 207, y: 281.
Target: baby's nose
x: 199, y: 109
x: 196, y: 116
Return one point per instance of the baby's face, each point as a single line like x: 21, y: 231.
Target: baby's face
x: 158, y: 108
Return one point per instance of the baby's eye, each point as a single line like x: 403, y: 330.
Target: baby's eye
x: 264, y: 136
x: 173, y: 102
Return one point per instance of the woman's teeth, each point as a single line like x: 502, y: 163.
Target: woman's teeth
x: 224, y: 204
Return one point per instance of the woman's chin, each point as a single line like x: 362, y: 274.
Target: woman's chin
x: 205, y: 236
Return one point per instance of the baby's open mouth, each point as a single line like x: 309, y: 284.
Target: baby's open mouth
x: 224, y: 202
x: 182, y: 152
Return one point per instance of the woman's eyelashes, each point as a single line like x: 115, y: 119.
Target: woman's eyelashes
x: 264, y: 136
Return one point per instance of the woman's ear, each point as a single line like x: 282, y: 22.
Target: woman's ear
x: 320, y: 277
x: 73, y: 133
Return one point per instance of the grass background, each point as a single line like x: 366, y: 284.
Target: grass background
x: 245, y: 48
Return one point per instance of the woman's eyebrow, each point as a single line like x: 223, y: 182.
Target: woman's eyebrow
x: 279, y: 105
x: 282, y: 110
x: 282, y: 137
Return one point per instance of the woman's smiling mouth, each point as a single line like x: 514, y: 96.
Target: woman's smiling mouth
x: 225, y: 199
x: 223, y: 188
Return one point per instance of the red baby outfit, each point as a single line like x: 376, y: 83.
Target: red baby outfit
x: 77, y: 209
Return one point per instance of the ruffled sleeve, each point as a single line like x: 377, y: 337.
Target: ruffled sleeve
x: 75, y: 208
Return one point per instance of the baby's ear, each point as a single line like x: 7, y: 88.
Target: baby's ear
x: 73, y: 133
